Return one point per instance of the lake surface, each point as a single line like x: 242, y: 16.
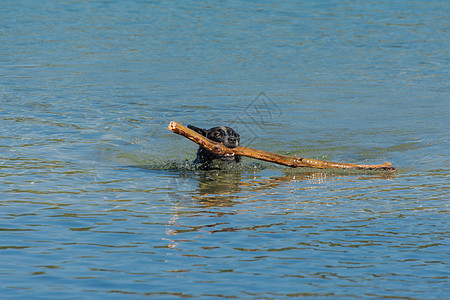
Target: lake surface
x: 99, y: 200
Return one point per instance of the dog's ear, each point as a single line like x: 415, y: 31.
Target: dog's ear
x: 198, y: 130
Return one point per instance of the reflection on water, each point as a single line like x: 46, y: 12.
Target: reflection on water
x: 218, y: 187
x: 307, y: 217
x: 221, y: 227
x: 235, y: 186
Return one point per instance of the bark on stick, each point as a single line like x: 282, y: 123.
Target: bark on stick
x: 290, y: 161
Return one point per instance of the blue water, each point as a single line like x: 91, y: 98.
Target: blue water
x: 100, y: 200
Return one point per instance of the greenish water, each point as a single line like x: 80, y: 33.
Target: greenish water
x: 99, y: 199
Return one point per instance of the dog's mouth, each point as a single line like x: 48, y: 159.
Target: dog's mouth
x: 227, y: 156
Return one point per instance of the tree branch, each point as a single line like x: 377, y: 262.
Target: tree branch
x: 290, y: 161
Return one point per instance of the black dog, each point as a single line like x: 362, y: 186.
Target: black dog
x: 225, y: 135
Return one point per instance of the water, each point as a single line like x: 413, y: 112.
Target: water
x: 99, y: 199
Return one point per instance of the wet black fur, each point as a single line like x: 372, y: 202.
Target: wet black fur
x: 222, y: 134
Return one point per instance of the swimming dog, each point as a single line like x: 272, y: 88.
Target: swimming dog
x: 222, y: 134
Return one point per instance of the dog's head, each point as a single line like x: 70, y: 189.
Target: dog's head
x: 222, y: 134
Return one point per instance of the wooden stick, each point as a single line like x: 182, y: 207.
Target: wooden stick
x: 290, y: 161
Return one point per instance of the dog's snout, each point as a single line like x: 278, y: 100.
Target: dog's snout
x: 232, y: 142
